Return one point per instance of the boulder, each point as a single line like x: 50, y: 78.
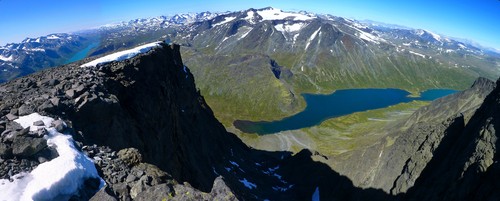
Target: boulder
x: 70, y: 93
x: 11, y: 117
x: 27, y: 146
x: 102, y: 195
x: 25, y: 110
x: 5, y: 151
x: 141, y: 185
x: 59, y: 125
x: 131, y: 156
x: 39, y: 123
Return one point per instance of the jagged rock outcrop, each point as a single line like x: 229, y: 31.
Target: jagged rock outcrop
x: 394, y: 163
x: 465, y: 166
x: 148, y: 103
x: 427, y: 127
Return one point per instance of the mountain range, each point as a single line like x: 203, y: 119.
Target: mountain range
x: 283, y: 54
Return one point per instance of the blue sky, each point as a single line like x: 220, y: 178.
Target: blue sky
x: 478, y: 20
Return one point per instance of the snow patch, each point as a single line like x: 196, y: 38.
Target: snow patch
x: 312, y: 38
x: 367, y: 36
x: 282, y: 189
x: 295, y: 38
x: 185, y: 72
x: 277, y: 14
x: 435, y: 36
x: 36, y: 49
x: 245, y: 34
x: 250, y: 17
x: 274, y: 168
x: 226, y: 20
x: 37, y: 40
x: 56, y: 179
x: 461, y: 46
x: 3, y: 58
x: 289, y: 27
x: 52, y: 37
x: 120, y: 56
x: 28, y: 120
x: 248, y: 184
x: 418, y: 54
x: 315, y: 196
x: 234, y: 163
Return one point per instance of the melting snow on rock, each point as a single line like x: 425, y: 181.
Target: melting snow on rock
x: 120, y: 56
x: 59, y: 178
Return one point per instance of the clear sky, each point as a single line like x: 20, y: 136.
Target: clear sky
x: 477, y: 20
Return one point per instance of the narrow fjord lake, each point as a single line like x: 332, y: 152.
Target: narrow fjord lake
x: 341, y: 102
x: 82, y: 53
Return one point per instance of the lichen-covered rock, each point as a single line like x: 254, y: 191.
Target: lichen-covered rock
x: 131, y: 156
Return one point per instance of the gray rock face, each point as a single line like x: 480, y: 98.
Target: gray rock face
x: 220, y: 191
x: 11, y: 117
x: 426, y: 142
x: 27, y: 146
x: 414, y: 148
x: 5, y: 150
x: 102, y: 195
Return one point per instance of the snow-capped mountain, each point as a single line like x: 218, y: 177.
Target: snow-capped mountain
x: 296, y: 32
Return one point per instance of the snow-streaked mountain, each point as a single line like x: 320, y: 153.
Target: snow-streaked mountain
x: 300, y: 31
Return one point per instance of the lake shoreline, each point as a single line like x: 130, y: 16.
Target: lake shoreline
x: 320, y: 107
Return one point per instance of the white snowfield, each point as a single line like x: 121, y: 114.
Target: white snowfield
x: 122, y: 55
x: 57, y: 179
x: 277, y: 14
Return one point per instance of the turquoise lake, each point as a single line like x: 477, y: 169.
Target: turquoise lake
x: 82, y: 53
x: 342, y: 102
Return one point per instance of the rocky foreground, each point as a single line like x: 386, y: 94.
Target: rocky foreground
x: 152, y: 137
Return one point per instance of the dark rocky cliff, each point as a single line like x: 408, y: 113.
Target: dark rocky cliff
x: 465, y: 165
x: 153, y: 137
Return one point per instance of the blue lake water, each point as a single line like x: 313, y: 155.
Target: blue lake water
x: 341, y: 102
x: 82, y: 53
